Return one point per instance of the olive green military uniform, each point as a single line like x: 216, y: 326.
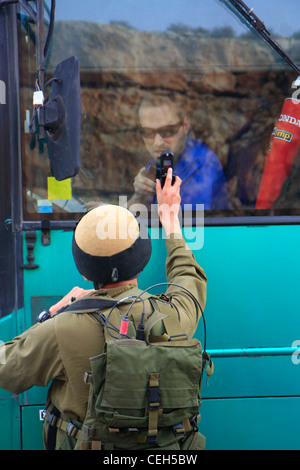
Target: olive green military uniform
x: 59, y: 349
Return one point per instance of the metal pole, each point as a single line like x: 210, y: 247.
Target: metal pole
x: 250, y: 352
x: 41, y: 57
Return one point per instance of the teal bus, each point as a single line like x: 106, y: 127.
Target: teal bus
x: 72, y: 77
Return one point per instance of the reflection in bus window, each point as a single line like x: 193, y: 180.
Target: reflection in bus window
x: 232, y: 86
x: 165, y: 126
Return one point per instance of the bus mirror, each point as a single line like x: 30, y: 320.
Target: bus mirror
x: 62, y: 119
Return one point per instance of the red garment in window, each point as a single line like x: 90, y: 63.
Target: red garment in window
x: 283, y: 150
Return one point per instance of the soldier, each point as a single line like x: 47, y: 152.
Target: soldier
x: 58, y: 350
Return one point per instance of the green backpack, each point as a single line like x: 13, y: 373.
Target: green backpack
x: 144, y: 393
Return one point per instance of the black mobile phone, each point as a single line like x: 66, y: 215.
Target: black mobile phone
x: 163, y: 163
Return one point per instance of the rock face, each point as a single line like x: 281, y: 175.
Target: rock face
x: 232, y: 88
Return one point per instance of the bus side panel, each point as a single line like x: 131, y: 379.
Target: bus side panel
x: 252, y: 302
x: 55, y: 276
x: 32, y: 418
x: 10, y: 422
x: 251, y: 423
x: 246, y: 377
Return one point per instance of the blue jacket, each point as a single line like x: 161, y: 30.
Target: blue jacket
x: 203, y: 180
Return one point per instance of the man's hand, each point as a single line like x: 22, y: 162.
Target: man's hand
x: 75, y: 293
x: 168, y: 200
x: 144, y: 188
x: 142, y: 184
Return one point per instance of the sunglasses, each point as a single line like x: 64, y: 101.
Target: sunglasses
x: 164, y: 132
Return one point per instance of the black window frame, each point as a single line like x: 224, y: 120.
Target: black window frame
x: 11, y: 277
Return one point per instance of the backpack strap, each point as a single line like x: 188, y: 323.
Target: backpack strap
x: 54, y: 420
x: 165, y: 312
x: 93, y: 302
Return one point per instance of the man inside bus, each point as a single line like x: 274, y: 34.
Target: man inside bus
x: 58, y: 348
x: 164, y: 126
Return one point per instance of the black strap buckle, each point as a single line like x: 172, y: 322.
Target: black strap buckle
x: 153, y: 398
x: 72, y: 430
x: 194, y: 423
x: 178, y: 429
x: 52, y: 419
x: 151, y: 439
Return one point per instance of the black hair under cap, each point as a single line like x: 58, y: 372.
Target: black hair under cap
x: 116, y: 268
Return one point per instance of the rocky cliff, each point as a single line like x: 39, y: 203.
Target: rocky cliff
x: 233, y: 89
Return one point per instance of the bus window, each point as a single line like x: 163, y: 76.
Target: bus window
x: 189, y: 78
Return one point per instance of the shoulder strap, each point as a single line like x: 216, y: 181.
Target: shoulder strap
x: 92, y: 302
x: 87, y: 305
x: 165, y: 312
